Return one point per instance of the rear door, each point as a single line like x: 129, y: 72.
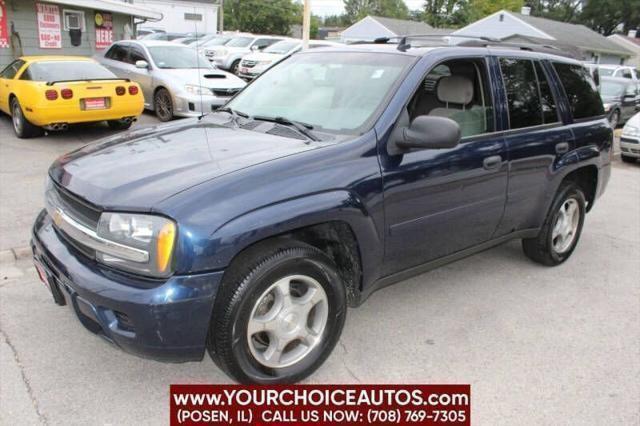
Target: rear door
x: 536, y: 137
x: 116, y: 60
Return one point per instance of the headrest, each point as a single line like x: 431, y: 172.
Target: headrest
x: 455, y: 89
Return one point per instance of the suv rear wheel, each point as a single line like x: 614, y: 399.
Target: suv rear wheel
x: 562, y: 227
x: 278, y: 314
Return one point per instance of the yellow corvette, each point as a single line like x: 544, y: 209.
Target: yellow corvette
x: 50, y: 92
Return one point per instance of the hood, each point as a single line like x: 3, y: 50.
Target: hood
x: 261, y: 56
x: 139, y: 169
x: 211, y: 78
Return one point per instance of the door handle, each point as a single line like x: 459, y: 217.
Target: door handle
x: 492, y: 163
x: 562, y: 148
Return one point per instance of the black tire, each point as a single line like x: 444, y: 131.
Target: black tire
x: 627, y: 159
x: 249, y: 276
x: 119, y: 124
x: 163, y: 104
x: 541, y: 248
x: 21, y: 126
x: 234, y: 67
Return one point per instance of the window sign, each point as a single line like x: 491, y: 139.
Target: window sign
x: 4, y: 28
x: 104, y: 30
x: 49, y: 27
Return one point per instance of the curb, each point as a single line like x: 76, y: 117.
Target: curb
x: 14, y: 254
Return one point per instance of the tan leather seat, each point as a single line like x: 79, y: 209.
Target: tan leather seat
x: 456, y: 93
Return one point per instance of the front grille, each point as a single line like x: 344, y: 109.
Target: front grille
x: 225, y: 93
x: 75, y: 207
x: 248, y: 63
x: 628, y: 140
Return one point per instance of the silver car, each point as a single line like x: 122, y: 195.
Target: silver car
x: 175, y: 79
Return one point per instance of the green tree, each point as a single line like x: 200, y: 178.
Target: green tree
x: 558, y: 10
x: 477, y: 9
x: 605, y: 16
x: 358, y: 9
x: 445, y: 13
x: 262, y: 16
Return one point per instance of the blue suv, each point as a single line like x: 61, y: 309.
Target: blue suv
x: 248, y: 232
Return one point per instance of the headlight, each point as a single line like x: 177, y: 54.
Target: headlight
x: 197, y: 90
x: 631, y: 131
x: 152, y: 234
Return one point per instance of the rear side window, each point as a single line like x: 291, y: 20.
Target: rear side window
x: 523, y: 96
x: 580, y: 89
x: 117, y: 52
x: 549, y: 110
x: 12, y: 69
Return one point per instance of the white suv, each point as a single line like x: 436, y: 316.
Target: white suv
x: 228, y: 56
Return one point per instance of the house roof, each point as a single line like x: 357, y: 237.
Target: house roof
x: 113, y: 6
x: 628, y: 42
x: 578, y: 35
x: 402, y: 27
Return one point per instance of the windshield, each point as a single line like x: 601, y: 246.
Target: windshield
x: 610, y: 89
x: 239, y: 42
x: 218, y: 41
x: 178, y: 57
x: 342, y: 90
x: 67, y: 70
x: 282, y: 47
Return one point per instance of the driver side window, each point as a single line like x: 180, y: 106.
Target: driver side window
x: 457, y: 89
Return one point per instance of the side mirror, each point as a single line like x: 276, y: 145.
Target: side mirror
x: 430, y: 132
x: 255, y: 48
x: 142, y: 65
x: 596, y: 77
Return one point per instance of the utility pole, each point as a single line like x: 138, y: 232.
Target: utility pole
x: 306, y: 24
x: 220, y: 16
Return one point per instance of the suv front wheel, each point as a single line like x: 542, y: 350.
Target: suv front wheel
x: 562, y: 227
x: 278, y: 314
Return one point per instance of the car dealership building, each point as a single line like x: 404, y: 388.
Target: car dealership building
x: 66, y: 27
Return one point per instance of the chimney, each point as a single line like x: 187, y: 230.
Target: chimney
x: 633, y: 33
x: 526, y: 10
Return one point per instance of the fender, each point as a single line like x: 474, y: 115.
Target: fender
x: 275, y: 219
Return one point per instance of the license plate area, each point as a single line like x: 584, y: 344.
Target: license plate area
x: 90, y: 104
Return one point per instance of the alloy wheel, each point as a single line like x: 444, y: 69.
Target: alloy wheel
x: 163, y: 106
x: 287, y: 321
x: 17, y: 118
x: 566, y: 226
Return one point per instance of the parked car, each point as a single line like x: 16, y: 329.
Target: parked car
x: 621, y: 98
x: 201, y: 42
x: 616, y: 71
x: 630, y: 140
x: 228, y: 56
x: 254, y: 64
x: 145, y: 31
x: 220, y: 40
x: 175, y: 79
x: 163, y: 36
x: 50, y: 92
x: 338, y: 172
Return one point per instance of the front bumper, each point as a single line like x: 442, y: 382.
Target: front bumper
x: 187, y: 105
x: 164, y: 320
x: 630, y: 147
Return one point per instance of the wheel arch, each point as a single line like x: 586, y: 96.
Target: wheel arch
x: 334, y: 222
x: 586, y: 177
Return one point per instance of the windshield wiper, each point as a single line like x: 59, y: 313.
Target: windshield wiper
x: 301, y: 127
x: 234, y: 114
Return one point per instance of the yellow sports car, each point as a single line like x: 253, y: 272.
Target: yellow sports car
x: 50, y: 92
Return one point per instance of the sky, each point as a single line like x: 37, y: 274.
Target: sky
x: 335, y: 7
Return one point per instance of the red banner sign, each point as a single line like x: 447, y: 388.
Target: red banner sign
x: 4, y: 27
x: 321, y: 404
x: 104, y: 30
x: 49, y: 27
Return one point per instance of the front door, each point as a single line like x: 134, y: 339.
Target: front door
x: 441, y: 201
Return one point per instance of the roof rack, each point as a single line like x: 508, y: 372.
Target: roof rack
x: 475, y: 41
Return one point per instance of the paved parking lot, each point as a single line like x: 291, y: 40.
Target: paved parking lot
x: 538, y: 345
